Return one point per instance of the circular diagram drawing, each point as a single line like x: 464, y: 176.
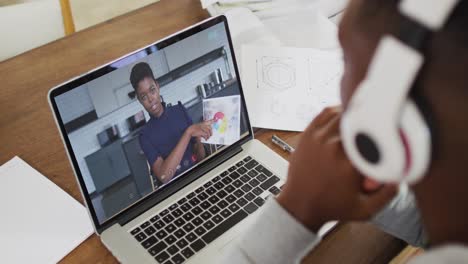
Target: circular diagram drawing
x: 279, y: 76
x: 276, y: 73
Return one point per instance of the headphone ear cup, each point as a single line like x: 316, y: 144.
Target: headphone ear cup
x: 373, y: 145
x: 416, y: 137
x: 403, y: 149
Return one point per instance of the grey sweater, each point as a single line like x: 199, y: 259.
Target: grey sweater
x: 277, y: 237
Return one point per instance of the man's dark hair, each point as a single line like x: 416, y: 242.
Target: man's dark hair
x: 443, y: 76
x: 446, y: 53
x: 139, y: 72
x: 454, y: 31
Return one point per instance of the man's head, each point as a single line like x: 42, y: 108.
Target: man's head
x: 443, y: 85
x: 146, y: 88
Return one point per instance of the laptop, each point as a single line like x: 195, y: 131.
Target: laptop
x: 126, y: 123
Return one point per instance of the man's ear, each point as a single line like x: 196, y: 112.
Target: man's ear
x: 369, y: 185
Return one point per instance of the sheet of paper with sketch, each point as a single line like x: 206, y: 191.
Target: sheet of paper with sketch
x: 225, y: 112
x: 285, y: 88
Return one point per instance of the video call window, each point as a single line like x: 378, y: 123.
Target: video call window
x: 154, y: 116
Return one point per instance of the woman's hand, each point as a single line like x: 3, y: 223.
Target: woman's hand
x: 202, y: 129
x: 322, y: 183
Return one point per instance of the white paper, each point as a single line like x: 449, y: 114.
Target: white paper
x: 293, y: 23
x: 285, y: 88
x: 225, y: 112
x: 207, y: 3
x: 331, y: 8
x: 305, y: 28
x: 40, y: 222
x: 246, y: 28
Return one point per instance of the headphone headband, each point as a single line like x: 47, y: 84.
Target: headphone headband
x: 433, y: 14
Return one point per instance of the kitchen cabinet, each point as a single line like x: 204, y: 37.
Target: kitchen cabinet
x: 182, y: 52
x: 74, y: 104
x: 212, y: 39
x: 138, y: 165
x: 121, y: 95
x: 194, y: 47
x: 107, y: 165
x: 120, y: 174
x: 119, y: 196
x: 119, y: 77
x: 102, y: 95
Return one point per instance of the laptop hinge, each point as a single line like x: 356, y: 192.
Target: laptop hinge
x: 161, y: 195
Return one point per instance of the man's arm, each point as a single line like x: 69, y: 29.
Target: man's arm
x: 276, y: 237
x: 260, y: 243
x: 401, y: 219
x: 322, y: 185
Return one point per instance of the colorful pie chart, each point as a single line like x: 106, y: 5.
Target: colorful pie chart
x: 220, y: 122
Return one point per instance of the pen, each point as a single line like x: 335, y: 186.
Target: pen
x: 282, y: 144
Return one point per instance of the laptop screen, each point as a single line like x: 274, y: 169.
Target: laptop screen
x: 138, y: 124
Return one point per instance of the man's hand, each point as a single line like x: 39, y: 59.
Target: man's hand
x: 202, y: 129
x: 322, y: 184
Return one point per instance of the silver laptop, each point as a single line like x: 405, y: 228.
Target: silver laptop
x: 159, y: 186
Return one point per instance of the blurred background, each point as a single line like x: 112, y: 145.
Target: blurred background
x: 27, y: 24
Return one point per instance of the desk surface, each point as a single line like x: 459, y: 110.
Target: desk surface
x: 27, y: 128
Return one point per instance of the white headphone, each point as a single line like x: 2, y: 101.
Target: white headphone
x: 383, y: 131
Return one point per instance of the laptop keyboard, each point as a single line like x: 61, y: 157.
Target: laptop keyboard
x: 188, y: 225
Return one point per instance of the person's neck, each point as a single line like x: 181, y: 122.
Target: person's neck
x: 443, y: 200
x: 160, y: 113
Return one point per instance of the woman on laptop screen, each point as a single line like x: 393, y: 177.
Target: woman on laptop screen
x: 170, y: 140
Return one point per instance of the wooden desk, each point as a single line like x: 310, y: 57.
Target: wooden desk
x: 27, y: 128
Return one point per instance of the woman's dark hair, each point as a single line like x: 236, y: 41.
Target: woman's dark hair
x: 139, y: 72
